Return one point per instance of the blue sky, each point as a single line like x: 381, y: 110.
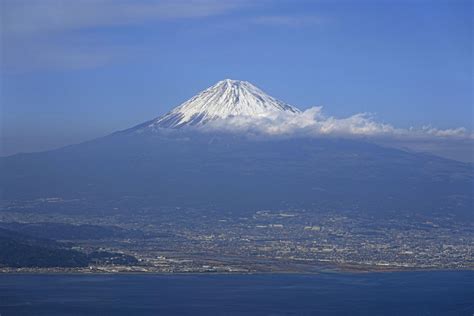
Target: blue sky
x: 72, y: 71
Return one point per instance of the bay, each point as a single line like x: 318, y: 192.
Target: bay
x: 390, y: 293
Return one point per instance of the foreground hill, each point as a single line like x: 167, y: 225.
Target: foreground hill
x: 23, y: 247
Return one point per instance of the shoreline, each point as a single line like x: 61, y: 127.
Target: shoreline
x: 282, y: 272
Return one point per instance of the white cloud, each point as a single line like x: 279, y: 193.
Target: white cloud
x: 33, y: 16
x: 52, y: 34
x: 454, y: 132
x: 313, y: 122
x: 287, y: 20
x: 49, y: 34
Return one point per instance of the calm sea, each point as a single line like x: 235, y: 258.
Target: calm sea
x: 399, y: 293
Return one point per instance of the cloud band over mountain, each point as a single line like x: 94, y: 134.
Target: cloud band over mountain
x: 313, y: 122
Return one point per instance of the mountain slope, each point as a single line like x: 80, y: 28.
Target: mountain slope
x: 230, y: 172
x: 20, y: 250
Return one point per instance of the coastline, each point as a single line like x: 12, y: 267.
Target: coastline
x: 326, y: 270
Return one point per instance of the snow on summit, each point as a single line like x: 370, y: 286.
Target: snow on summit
x: 227, y: 98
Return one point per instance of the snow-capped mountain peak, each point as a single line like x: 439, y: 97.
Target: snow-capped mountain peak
x: 227, y: 98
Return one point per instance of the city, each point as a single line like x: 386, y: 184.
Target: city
x: 179, y: 240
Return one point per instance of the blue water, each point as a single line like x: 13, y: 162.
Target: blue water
x: 399, y: 293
